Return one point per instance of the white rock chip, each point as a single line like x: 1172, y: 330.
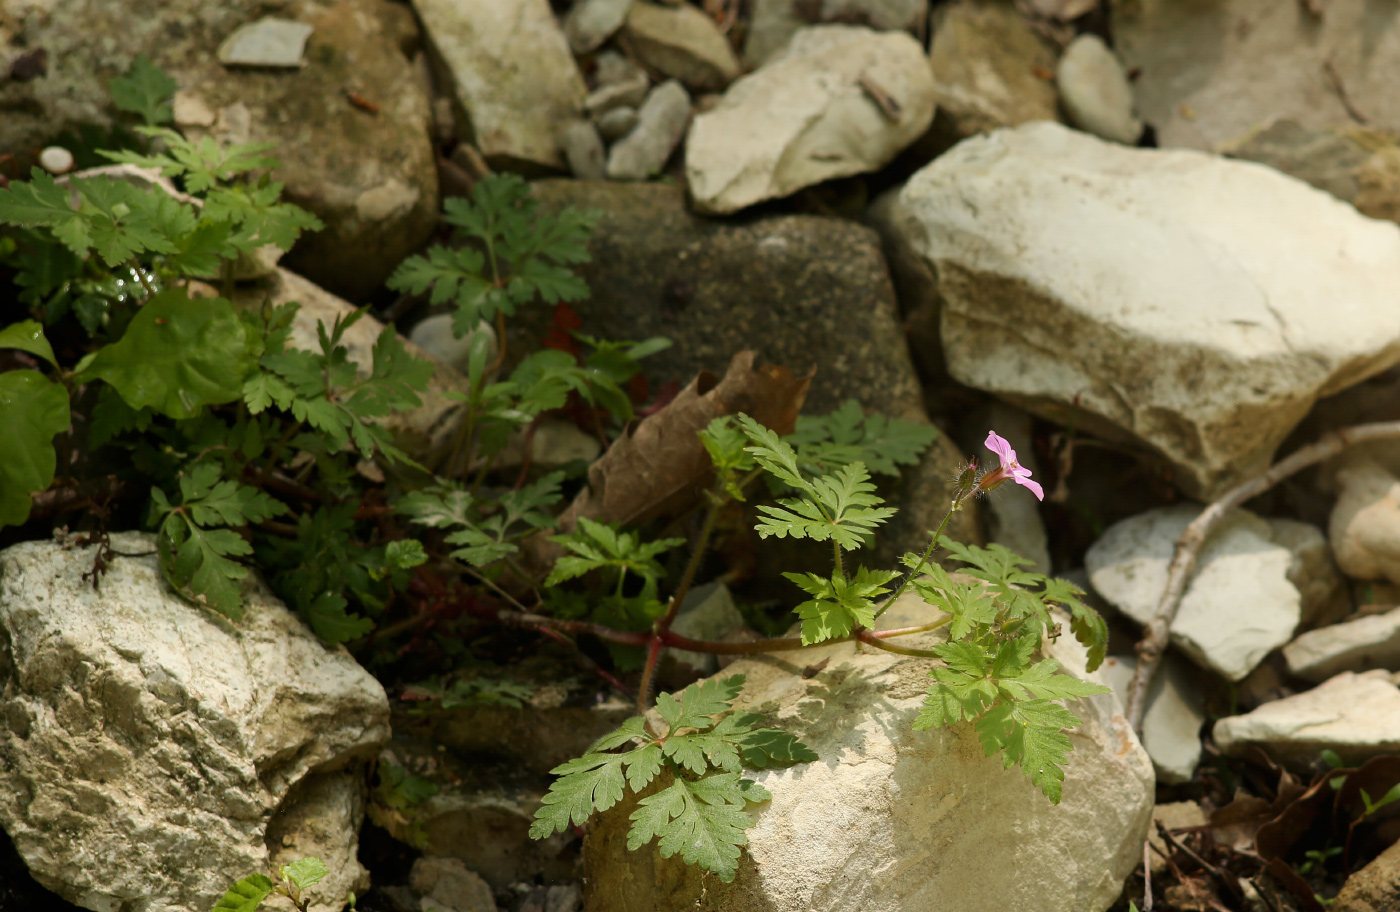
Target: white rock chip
x: 1212, y: 72
x: 269, y: 42
x: 1095, y: 91
x: 683, y: 43
x: 151, y: 748
x: 591, y: 22
x: 583, y: 150
x: 1365, y: 523
x: 1368, y: 642
x: 56, y: 160
x: 1356, y: 715
x: 805, y: 117
x: 1239, y: 605
x: 1168, y: 297
x: 435, y: 336
x: 661, y: 123
x: 893, y: 820
x: 514, y: 109
x: 1171, y: 725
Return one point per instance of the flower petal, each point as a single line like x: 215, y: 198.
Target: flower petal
x: 1001, y: 447
x: 1034, y: 486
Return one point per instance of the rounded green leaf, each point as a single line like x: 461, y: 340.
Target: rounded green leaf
x: 32, y: 411
x: 27, y: 336
x: 177, y: 356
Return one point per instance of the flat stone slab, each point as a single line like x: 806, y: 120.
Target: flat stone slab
x: 1359, y: 645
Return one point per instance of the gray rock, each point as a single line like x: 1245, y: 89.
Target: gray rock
x: 1171, y: 724
x: 1239, y: 604
x: 1352, y: 163
x: 817, y: 297
x: 683, y: 43
x: 841, y: 833
x: 1028, y: 227
x: 813, y: 113
x: 1368, y: 642
x: 1095, y: 91
x: 915, y: 285
x: 150, y: 746
x: 1321, y: 588
x: 512, y: 111
x: 617, y: 123
x: 774, y: 22
x: 322, y: 818
x: 661, y: 123
x: 985, y: 58
x: 269, y: 42
x: 583, y: 150
x: 618, y: 95
x: 558, y: 898
x: 591, y: 22
x: 708, y: 613
x: 451, y: 884
x: 1365, y: 523
x: 557, y: 443
x: 1355, y: 715
x: 1212, y: 72
x: 1374, y: 887
x: 435, y: 336
x: 612, y: 68
x: 378, y: 205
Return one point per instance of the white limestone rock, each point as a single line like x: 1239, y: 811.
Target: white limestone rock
x: 1239, y: 604
x: 1170, y: 298
x: 804, y: 117
x: 151, y: 747
x: 591, y: 22
x: 1365, y: 523
x: 774, y: 22
x: 661, y: 123
x: 682, y: 42
x: 1372, y: 641
x: 513, y: 109
x: 1356, y: 715
x: 1095, y: 91
x: 1171, y: 724
x: 269, y: 42
x: 893, y: 820
x: 708, y: 613
x: 583, y: 150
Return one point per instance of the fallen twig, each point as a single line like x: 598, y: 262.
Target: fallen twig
x: 1188, y: 547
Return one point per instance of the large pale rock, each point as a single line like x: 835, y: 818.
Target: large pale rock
x: 511, y: 73
x: 806, y: 117
x: 774, y: 22
x: 682, y: 42
x: 1368, y: 642
x: 1168, y: 297
x: 1239, y: 604
x: 1375, y: 888
x: 1365, y: 523
x: 1210, y: 72
x: 893, y: 820
x: 985, y: 58
x: 151, y: 748
x: 1171, y: 723
x: 1355, y: 715
x: 369, y: 177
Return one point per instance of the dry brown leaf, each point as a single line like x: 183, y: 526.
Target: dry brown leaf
x: 658, y: 466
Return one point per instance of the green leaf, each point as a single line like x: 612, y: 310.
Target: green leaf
x: 331, y: 622
x: 1088, y: 627
x: 177, y: 356
x: 703, y: 820
x: 32, y: 412
x: 826, y: 442
x: 596, y: 545
x: 839, y: 603
x: 591, y: 783
x: 839, y: 508
x: 772, y: 748
x: 1030, y: 734
x: 246, y: 895
x: 144, y: 89
x: 699, y: 702
x: 28, y: 336
x: 305, y: 872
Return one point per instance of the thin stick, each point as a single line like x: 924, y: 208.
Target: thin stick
x: 1147, y: 875
x: 1153, y: 644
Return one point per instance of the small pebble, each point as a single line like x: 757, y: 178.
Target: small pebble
x: 269, y: 42
x: 660, y: 125
x: 56, y: 160
x: 1095, y: 91
x: 617, y: 123
x: 583, y: 150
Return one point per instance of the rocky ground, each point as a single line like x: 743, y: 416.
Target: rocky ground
x: 1152, y: 243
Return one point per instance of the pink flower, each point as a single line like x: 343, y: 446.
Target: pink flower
x: 1010, y: 469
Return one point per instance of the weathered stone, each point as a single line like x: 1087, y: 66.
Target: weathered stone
x: 378, y: 205
x: 591, y: 22
x: 774, y: 22
x: 617, y: 123
x: 1372, y: 641
x: 151, y: 746
x: 1239, y: 604
x: 618, y: 94
x: 1365, y: 523
x: 1352, y: 163
x: 1210, y: 72
x: 1095, y: 91
x: 985, y: 59
x: 1323, y: 595
x: 811, y: 114
x: 708, y: 613
x: 321, y: 818
x: 583, y: 150
x: 512, y: 74
x: 661, y: 123
x: 1374, y: 888
x: 269, y: 42
x: 858, y: 828
x: 681, y: 42
x: 1355, y: 715
x: 817, y: 296
x: 1171, y: 724
x: 450, y: 883
x: 915, y: 285
x: 1167, y: 297
x: 435, y: 336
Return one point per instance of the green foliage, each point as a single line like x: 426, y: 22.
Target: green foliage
x: 144, y: 90
x: 32, y: 411
x: 467, y: 691
x: 305, y: 873
x: 847, y: 435
x: 247, y: 895
x: 594, y: 546
x: 838, y: 604
x: 251, y: 892
x: 521, y: 254
x: 487, y: 531
x: 28, y: 336
x: 700, y: 811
